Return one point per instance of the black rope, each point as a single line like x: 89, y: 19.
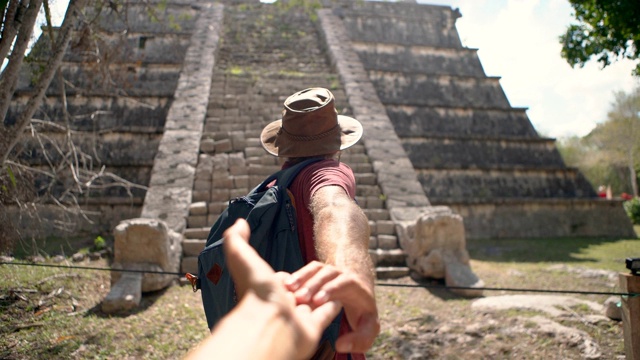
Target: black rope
x: 92, y: 268
x: 446, y: 287
x: 425, y: 286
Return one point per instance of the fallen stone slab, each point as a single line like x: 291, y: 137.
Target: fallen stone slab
x: 125, y: 294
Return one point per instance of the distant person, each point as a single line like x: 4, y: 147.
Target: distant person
x: 602, y: 191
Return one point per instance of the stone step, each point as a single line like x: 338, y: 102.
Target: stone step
x: 189, y: 264
x: 395, y: 257
x: 193, y: 247
x: 370, y: 202
x: 391, y: 272
x: 196, y: 233
x: 377, y: 214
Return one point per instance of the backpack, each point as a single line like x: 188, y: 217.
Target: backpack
x: 271, y: 214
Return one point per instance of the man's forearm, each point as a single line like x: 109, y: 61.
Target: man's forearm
x: 341, y: 232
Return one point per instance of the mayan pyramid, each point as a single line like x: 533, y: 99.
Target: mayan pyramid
x: 180, y: 106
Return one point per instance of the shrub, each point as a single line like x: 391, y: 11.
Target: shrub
x: 99, y: 243
x: 632, y: 207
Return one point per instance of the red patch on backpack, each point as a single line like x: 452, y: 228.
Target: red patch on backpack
x: 214, y: 274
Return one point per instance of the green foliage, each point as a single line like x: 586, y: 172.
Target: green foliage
x: 307, y: 6
x: 99, y: 243
x: 12, y: 180
x: 632, y: 207
x: 608, y: 30
x: 610, y: 154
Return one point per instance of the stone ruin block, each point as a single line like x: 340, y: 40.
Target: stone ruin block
x: 148, y: 241
x: 144, y: 245
x: 434, y: 241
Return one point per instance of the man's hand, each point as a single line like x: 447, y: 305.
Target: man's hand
x: 251, y: 273
x: 317, y: 283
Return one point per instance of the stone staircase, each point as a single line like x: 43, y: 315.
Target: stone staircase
x: 258, y: 67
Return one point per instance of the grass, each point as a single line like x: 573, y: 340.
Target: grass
x: 52, y: 246
x: 55, y: 313
x: 597, y: 253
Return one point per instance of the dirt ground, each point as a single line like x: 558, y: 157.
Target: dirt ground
x: 49, y: 313
x: 435, y: 324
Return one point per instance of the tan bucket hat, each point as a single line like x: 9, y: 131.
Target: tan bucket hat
x: 310, y: 126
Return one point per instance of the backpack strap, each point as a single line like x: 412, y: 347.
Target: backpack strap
x: 285, y: 177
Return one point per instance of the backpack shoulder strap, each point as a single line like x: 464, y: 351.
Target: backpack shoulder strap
x: 284, y: 178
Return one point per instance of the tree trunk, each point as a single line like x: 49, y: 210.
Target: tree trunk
x: 11, y: 27
x: 633, y: 175
x: 9, y: 77
x: 9, y: 135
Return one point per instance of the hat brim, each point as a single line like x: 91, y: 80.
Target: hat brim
x: 350, y: 133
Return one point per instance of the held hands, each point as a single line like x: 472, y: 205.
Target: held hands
x: 318, y: 283
x: 261, y: 287
x: 301, y: 305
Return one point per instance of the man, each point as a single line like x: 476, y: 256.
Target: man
x: 332, y: 229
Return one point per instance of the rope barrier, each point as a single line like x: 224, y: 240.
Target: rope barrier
x: 92, y: 268
x: 446, y: 287
x: 425, y: 286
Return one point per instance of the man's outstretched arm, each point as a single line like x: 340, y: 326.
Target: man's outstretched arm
x: 266, y: 324
x: 341, y: 233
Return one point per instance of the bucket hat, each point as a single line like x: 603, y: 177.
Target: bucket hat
x: 310, y: 126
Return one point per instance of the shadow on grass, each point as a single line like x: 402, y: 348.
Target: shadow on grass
x: 52, y: 246
x: 147, y: 300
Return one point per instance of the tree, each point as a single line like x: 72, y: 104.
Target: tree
x: 64, y: 158
x: 608, y: 30
x: 618, y: 136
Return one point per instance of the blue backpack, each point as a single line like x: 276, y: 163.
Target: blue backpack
x: 271, y: 215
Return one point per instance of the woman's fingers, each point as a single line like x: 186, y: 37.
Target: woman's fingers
x: 307, y: 283
x: 247, y: 268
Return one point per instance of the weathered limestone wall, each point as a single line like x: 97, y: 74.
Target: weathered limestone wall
x: 419, y: 59
x: 478, y: 152
x: 534, y: 218
x: 118, y: 96
x: 48, y: 220
x: 412, y: 121
x: 432, y: 25
x: 103, y: 113
x: 455, y: 124
x: 438, y: 90
x: 453, y: 184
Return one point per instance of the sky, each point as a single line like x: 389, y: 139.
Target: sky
x: 517, y: 40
